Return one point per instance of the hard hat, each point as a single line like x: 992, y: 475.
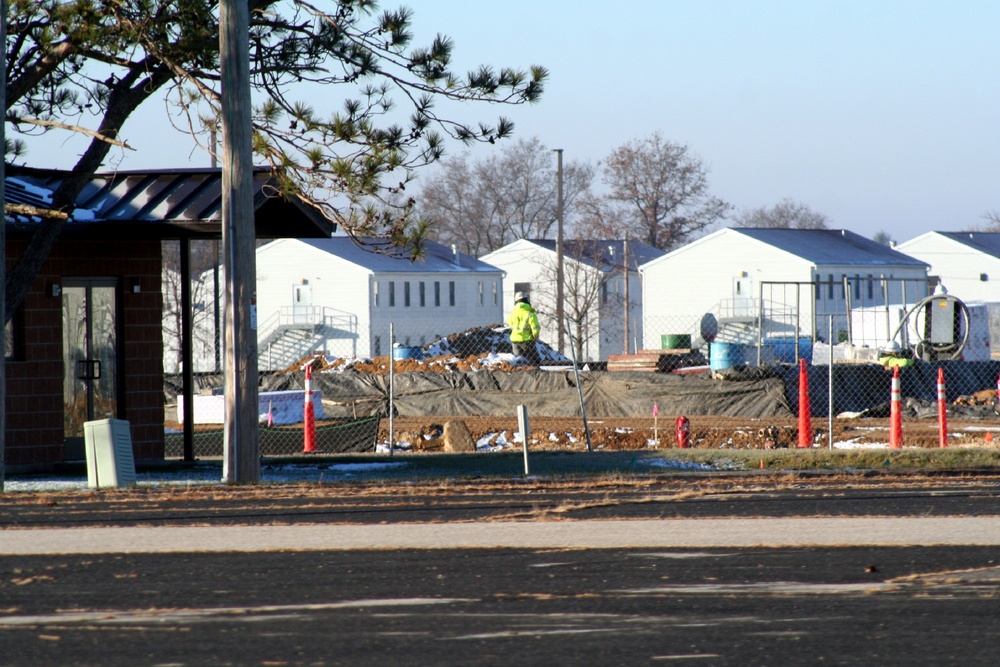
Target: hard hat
x: 520, y: 296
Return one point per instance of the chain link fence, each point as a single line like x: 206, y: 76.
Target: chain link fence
x: 741, y: 361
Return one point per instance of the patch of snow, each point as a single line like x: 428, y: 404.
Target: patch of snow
x: 209, y: 476
x: 674, y: 465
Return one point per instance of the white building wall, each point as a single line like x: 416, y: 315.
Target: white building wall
x: 353, y: 301
x: 478, y: 302
x: 962, y: 269
x: 726, y: 273
x: 720, y: 274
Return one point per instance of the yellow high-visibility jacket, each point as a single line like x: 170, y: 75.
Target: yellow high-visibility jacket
x: 523, y: 323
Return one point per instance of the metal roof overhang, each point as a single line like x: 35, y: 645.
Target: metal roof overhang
x: 162, y: 204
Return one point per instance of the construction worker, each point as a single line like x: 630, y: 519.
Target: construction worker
x: 524, y: 329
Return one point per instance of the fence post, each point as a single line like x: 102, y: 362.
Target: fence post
x: 392, y: 386
x: 829, y: 390
x: 525, y: 430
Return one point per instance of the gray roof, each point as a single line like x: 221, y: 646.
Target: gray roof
x: 987, y: 243
x: 603, y: 255
x: 831, y: 246
x: 164, y: 202
x: 436, y: 258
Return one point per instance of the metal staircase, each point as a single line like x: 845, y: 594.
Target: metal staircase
x: 744, y: 321
x: 295, y: 332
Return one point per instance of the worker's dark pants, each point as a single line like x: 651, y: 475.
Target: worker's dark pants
x: 527, y: 350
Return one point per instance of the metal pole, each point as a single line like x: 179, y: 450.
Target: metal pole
x: 392, y: 379
x: 525, y: 430
x: 798, y: 319
x: 579, y: 388
x: 829, y: 390
x: 625, y: 289
x: 559, y: 250
x: 187, y: 350
x: 846, y: 287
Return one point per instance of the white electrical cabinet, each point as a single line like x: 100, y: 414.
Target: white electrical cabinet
x: 108, y: 444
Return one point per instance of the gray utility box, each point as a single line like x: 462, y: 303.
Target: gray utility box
x: 108, y: 443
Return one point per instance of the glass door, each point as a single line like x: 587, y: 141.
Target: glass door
x: 90, y: 354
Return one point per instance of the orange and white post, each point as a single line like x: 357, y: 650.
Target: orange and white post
x: 942, y: 410
x: 309, y: 431
x: 895, y: 412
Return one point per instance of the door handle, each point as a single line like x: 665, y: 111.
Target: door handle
x: 88, y: 369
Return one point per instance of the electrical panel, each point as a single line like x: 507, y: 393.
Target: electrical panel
x: 108, y: 444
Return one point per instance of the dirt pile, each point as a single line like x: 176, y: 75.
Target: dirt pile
x: 470, y: 350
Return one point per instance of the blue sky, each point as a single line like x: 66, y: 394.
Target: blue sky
x: 883, y: 115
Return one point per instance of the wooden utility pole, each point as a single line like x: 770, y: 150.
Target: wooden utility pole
x: 241, y: 464
x: 3, y: 247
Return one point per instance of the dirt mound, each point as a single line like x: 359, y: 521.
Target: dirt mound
x: 470, y: 350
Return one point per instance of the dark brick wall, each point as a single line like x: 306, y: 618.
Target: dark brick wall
x: 34, y: 379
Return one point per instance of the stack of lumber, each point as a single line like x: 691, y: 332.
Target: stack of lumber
x: 663, y: 361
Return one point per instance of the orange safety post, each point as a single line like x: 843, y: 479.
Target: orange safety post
x: 895, y: 412
x: 942, y: 411
x: 309, y: 434
x: 805, y: 409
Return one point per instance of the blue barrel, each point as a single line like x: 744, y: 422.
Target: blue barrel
x: 726, y: 355
x: 784, y: 349
x: 407, y: 352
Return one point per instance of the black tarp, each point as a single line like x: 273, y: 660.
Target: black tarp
x: 743, y: 392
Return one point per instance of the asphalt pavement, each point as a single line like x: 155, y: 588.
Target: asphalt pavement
x: 776, y: 575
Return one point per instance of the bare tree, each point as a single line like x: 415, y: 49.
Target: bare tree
x: 593, y: 292
x: 786, y: 214
x: 662, y: 190
x: 481, y: 206
x: 992, y: 218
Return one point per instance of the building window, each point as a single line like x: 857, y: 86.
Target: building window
x: 451, y: 292
x: 406, y: 294
x: 871, y: 288
x: 496, y: 293
x: 392, y: 294
x: 819, y: 286
x: 482, y: 297
x: 829, y: 287
x: 375, y: 293
x: 377, y: 348
x: 604, y: 291
x: 437, y: 293
x: 857, y: 287
x: 423, y: 294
